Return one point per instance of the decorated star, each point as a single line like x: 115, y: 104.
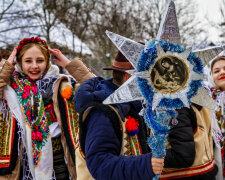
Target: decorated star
x: 156, y: 84
x: 166, y: 77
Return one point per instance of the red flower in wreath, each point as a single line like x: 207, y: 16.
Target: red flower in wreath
x: 21, y: 43
x: 19, y: 47
x: 38, y: 39
x: 32, y: 39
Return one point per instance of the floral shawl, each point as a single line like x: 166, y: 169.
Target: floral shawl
x: 34, y: 123
x: 218, y: 95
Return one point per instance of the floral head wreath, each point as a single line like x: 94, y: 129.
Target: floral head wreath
x: 25, y: 41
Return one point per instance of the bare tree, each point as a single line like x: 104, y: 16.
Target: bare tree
x: 13, y: 18
x: 77, y: 15
x: 138, y: 20
x: 190, y: 25
x: 88, y: 20
x: 222, y: 23
x: 46, y: 17
x: 5, y: 7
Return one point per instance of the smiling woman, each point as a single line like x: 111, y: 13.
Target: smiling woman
x: 216, y: 82
x: 218, y: 72
x: 37, y: 103
x: 34, y: 62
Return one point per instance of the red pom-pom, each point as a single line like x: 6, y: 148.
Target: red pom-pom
x: 131, y: 124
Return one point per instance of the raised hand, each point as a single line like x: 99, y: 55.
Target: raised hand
x: 59, y: 59
x: 157, y: 165
x: 12, y: 57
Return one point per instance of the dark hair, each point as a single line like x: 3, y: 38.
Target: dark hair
x: 220, y: 58
x: 118, y: 77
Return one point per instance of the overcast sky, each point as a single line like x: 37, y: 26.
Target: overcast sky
x: 210, y: 9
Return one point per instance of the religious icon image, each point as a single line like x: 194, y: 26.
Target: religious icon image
x: 169, y: 74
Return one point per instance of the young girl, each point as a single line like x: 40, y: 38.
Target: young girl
x: 216, y: 81
x: 37, y: 116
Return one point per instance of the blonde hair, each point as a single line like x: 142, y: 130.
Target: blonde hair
x: 43, y: 50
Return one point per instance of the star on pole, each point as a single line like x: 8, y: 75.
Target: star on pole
x: 168, y: 32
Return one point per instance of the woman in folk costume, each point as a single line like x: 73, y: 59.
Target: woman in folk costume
x: 37, y: 116
x: 216, y: 83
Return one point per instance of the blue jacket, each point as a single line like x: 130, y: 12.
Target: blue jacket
x: 102, y: 147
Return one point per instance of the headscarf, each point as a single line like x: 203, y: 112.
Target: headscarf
x: 36, y: 131
x: 209, y: 76
x: 218, y: 117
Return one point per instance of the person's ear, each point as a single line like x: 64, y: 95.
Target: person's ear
x: 127, y: 76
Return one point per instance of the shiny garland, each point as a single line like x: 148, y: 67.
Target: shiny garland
x: 171, y: 103
x: 158, y: 119
x: 147, y: 60
x: 195, y: 85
